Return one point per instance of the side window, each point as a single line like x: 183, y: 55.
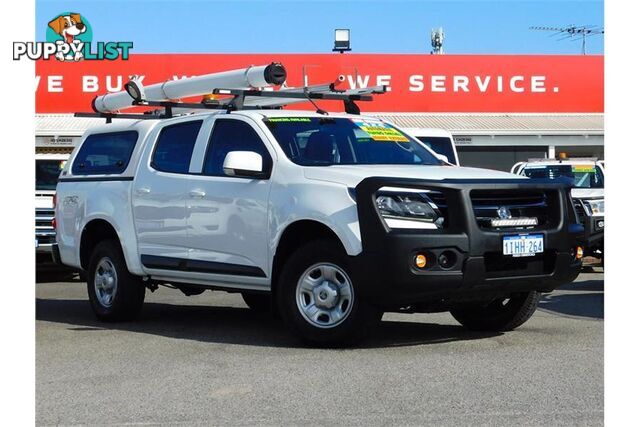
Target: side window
x: 174, y: 147
x: 105, y: 153
x: 232, y: 135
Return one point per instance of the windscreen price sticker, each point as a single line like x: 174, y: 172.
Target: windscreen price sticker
x: 379, y: 131
x: 583, y: 169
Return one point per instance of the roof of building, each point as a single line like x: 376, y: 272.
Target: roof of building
x: 456, y: 123
x: 501, y: 123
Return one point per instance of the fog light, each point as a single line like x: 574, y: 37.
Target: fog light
x: 600, y: 224
x: 420, y: 261
x: 447, y: 259
x: 579, y: 252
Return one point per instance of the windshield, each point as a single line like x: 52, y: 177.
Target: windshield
x: 583, y: 176
x: 47, y: 172
x: 441, y: 145
x: 315, y: 141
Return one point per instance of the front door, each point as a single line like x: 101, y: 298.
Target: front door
x: 227, y: 216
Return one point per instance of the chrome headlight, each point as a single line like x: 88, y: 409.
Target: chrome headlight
x: 596, y: 207
x: 408, y: 210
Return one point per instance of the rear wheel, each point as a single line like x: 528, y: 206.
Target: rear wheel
x: 318, y: 298
x: 114, y: 293
x: 500, y: 315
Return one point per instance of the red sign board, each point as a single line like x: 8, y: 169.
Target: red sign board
x: 418, y: 83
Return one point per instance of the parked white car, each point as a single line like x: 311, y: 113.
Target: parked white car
x: 48, y: 168
x: 439, y: 140
x: 586, y: 177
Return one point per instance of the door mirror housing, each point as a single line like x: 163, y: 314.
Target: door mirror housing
x: 246, y: 164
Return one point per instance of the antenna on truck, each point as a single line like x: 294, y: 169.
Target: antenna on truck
x: 243, y: 88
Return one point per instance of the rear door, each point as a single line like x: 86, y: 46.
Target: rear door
x: 159, y: 196
x: 227, y: 216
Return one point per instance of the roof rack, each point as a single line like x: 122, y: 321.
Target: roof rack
x: 247, y: 99
x: 166, y: 95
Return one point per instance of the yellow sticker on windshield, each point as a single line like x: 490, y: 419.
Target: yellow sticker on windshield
x: 583, y: 169
x: 379, y: 131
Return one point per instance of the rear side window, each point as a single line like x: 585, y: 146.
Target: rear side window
x: 175, y: 146
x: 105, y: 153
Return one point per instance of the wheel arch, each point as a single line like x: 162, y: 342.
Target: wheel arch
x: 295, y: 235
x: 94, y: 232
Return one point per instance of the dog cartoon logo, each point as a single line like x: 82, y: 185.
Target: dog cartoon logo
x: 69, y: 38
x: 69, y: 28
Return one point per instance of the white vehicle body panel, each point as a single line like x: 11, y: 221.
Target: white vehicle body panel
x: 227, y: 217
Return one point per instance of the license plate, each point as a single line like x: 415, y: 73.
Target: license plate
x: 523, y: 245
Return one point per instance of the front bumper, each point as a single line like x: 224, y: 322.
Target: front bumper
x: 479, y: 270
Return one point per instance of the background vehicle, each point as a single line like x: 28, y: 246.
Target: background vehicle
x: 331, y: 219
x: 587, y: 177
x: 48, y: 168
x: 439, y: 140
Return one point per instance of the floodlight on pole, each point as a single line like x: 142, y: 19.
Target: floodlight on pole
x: 342, y: 40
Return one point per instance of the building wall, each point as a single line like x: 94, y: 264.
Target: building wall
x: 501, y: 152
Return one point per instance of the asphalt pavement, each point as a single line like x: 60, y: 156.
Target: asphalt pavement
x: 207, y: 359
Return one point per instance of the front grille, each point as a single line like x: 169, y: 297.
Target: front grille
x: 520, y: 204
x: 45, y: 233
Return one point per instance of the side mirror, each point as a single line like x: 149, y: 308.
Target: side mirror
x: 243, y: 164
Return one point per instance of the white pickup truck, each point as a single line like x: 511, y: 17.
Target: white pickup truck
x: 48, y: 168
x: 327, y: 219
x: 309, y: 213
x: 586, y: 176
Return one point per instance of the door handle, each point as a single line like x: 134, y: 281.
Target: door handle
x: 143, y: 190
x: 197, y: 194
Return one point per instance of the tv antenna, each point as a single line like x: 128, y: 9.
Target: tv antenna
x: 437, y: 40
x: 574, y: 32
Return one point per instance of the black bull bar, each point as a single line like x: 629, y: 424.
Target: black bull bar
x: 385, y: 264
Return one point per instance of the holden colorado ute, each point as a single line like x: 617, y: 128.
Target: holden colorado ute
x: 328, y: 219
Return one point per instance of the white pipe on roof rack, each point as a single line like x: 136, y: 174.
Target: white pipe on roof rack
x: 250, y: 77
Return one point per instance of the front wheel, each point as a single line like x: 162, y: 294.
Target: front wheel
x: 318, y: 298
x: 503, y: 314
x: 114, y: 293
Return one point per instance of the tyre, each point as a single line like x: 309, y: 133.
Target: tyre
x: 114, y: 293
x: 499, y: 315
x: 318, y: 298
x: 258, y: 302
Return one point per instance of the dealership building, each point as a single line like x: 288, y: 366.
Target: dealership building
x: 515, y: 108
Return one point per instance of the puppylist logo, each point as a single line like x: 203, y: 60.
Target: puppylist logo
x: 69, y: 38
